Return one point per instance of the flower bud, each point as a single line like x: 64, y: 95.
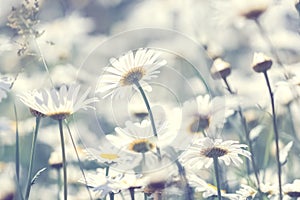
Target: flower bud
x: 261, y: 63
x: 220, y: 69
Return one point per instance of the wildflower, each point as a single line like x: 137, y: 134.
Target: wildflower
x: 57, y: 104
x: 204, y: 115
x: 208, y: 189
x: 202, y: 152
x: 129, y: 69
x: 220, y: 69
x: 109, y: 155
x: 101, y: 184
x: 246, y: 192
x: 292, y: 190
x: 261, y: 63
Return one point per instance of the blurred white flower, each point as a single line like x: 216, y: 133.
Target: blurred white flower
x: 208, y: 190
x: 102, y: 184
x: 57, y: 104
x: 246, y: 192
x: 120, y: 78
x: 292, y: 190
x: 205, y: 115
x: 201, y: 153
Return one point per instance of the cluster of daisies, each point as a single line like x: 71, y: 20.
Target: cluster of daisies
x: 214, y: 144
x: 149, y: 158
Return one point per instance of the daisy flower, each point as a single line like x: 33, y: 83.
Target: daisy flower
x: 292, y: 190
x: 202, y: 152
x: 203, y: 115
x: 57, y: 104
x: 207, y: 189
x: 101, y: 184
x: 128, y: 70
x: 137, y: 139
x: 246, y: 192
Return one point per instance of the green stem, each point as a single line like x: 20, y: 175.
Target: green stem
x: 276, y: 134
x: 58, y: 183
x: 131, y: 191
x: 244, y: 124
x: 106, y: 171
x: 217, y: 176
x: 28, y: 187
x: 138, y: 85
x: 79, y: 161
x: 17, y: 146
x: 63, y: 158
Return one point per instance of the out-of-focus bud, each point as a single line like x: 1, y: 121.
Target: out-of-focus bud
x: 261, y: 63
x: 220, y: 69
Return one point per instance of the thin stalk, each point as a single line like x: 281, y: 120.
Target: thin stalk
x: 58, y: 183
x: 276, y: 133
x: 245, y: 127
x: 217, y: 176
x: 106, y: 171
x: 111, y: 196
x: 138, y: 85
x: 131, y: 191
x: 63, y: 158
x: 79, y: 161
x: 28, y: 187
x: 43, y: 60
x: 17, y: 146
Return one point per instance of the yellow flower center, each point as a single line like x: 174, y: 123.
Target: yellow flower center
x: 141, y: 146
x: 59, y: 115
x: 109, y: 156
x: 132, y: 76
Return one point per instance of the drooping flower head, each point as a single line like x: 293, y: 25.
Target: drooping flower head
x: 202, y: 152
x: 57, y: 104
x: 120, y: 78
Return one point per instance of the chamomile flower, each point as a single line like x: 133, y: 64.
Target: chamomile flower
x: 201, y: 153
x: 57, y: 104
x: 292, y: 190
x: 120, y: 78
x: 101, y: 184
x: 207, y: 189
x: 246, y: 192
x: 204, y: 115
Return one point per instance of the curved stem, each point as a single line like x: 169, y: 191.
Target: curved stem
x: 275, y: 133
x: 63, y: 158
x: 138, y: 85
x: 79, y: 161
x: 28, y: 187
x: 217, y: 176
x: 244, y: 124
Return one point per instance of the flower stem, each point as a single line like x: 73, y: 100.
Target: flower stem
x: 131, y: 191
x: 276, y: 134
x: 138, y: 85
x: 58, y: 182
x: 244, y: 124
x: 17, y: 146
x: 28, y: 187
x: 79, y: 161
x: 63, y: 158
x: 217, y: 176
